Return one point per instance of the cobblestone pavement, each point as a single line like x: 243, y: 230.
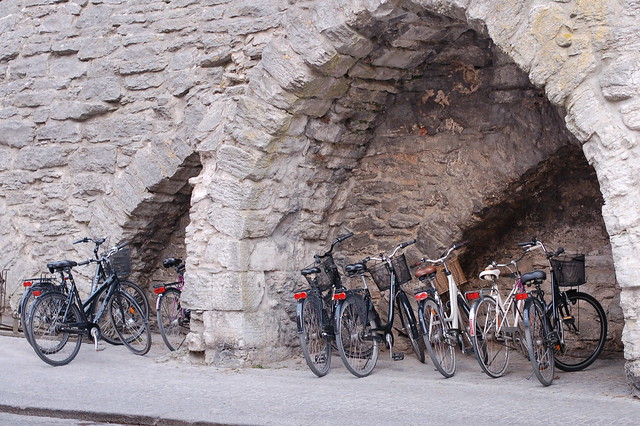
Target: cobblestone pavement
x: 116, y: 386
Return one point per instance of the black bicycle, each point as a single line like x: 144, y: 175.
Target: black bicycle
x: 58, y: 321
x: 315, y: 310
x: 173, y: 319
x: 359, y: 329
x: 570, y: 330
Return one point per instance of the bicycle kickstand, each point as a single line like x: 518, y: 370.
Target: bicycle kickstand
x: 94, y: 334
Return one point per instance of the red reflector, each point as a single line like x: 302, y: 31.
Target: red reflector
x: 301, y: 295
x: 36, y: 293
x: 339, y: 296
x: 422, y: 295
x: 27, y: 283
x: 473, y: 295
x: 522, y: 296
x: 159, y: 290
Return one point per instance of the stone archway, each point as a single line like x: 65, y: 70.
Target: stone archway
x: 312, y: 108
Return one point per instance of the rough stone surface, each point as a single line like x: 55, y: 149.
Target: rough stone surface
x: 246, y: 135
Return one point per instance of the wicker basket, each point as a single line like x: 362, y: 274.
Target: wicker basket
x: 328, y: 275
x: 382, y: 276
x: 441, y: 282
x: 120, y: 263
x: 569, y: 270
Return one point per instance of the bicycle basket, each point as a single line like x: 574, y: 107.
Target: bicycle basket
x: 328, y: 275
x: 120, y: 263
x: 382, y: 276
x: 569, y: 270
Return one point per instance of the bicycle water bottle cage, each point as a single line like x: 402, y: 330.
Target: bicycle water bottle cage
x: 171, y: 262
x: 489, y: 274
x: 533, y: 277
x: 309, y: 271
x: 61, y: 265
x: 426, y: 272
x: 355, y: 269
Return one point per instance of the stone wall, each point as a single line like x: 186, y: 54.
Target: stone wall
x: 286, y: 122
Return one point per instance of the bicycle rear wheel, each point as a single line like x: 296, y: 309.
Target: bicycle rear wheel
x: 49, y: 322
x: 584, y: 326
x: 539, y: 343
x: 410, y: 326
x: 130, y: 322
x: 437, y: 339
x: 173, y: 322
x: 357, y: 345
x: 488, y: 341
x: 316, y: 347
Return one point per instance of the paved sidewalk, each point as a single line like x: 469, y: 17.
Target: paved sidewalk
x: 119, y: 387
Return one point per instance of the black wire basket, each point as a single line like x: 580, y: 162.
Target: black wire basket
x: 569, y: 270
x: 120, y: 263
x: 382, y: 275
x: 328, y: 276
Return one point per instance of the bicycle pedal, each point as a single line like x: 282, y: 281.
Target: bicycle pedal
x: 397, y: 356
x: 468, y: 351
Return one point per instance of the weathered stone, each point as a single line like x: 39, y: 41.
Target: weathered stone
x: 16, y: 134
x: 79, y: 111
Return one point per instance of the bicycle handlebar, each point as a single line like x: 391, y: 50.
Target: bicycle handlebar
x: 340, y: 239
x: 535, y: 243
x: 445, y: 255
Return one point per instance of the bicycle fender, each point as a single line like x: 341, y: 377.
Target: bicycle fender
x: 299, y: 315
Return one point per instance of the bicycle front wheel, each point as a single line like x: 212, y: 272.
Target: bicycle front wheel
x: 316, y: 347
x: 130, y: 322
x: 488, y: 341
x: 357, y: 345
x: 173, y: 320
x: 438, y: 339
x: 539, y: 342
x: 409, y: 326
x: 49, y: 324
x: 584, y: 330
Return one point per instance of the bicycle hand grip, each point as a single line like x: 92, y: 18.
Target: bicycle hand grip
x: 344, y: 237
x: 86, y: 262
x: 461, y: 244
x: 408, y: 243
x: 122, y: 245
x: 84, y: 240
x: 527, y: 243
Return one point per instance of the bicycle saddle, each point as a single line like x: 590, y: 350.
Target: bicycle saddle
x: 60, y: 265
x: 171, y: 262
x: 354, y: 268
x: 532, y: 277
x: 489, y: 274
x: 426, y: 271
x: 307, y: 271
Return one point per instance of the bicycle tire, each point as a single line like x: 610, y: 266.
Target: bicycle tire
x: 173, y: 324
x: 539, y: 345
x: 130, y: 322
x: 315, y: 345
x: 49, y: 312
x: 410, y: 326
x: 489, y: 345
x: 357, y: 346
x: 437, y: 338
x: 584, y: 333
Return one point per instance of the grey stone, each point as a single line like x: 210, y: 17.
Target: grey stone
x: 16, y: 134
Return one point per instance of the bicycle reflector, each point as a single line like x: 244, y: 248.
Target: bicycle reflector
x: 159, y: 290
x: 422, y: 295
x: 36, y: 293
x: 472, y: 295
x: 300, y: 295
x: 522, y: 296
x: 340, y: 296
x: 27, y: 283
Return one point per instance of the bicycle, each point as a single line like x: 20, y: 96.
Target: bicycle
x: 57, y: 319
x: 358, y: 326
x: 442, y: 328
x: 34, y: 287
x: 100, y: 275
x: 570, y: 331
x: 495, y: 325
x: 315, y: 309
x: 173, y: 319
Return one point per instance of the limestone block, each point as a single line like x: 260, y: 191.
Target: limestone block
x: 227, y: 291
x: 399, y: 58
x: 98, y: 159
x: 16, y: 134
x: 365, y: 71
x: 631, y: 114
x: 261, y: 114
x: 264, y: 86
x: 39, y: 157
x: 327, y: 132
x: 290, y: 71
x: 230, y: 254
x: 95, y: 47
x: 244, y: 224
x: 242, y: 194
x: 79, y: 111
x: 140, y: 59
x: 267, y: 256
x: 243, y: 163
